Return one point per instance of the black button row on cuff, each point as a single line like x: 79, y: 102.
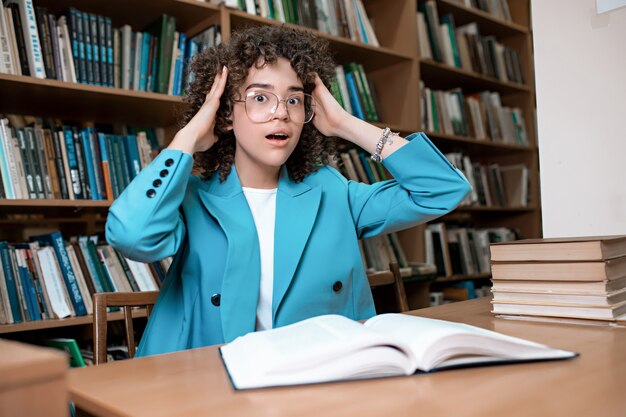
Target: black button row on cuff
x: 157, y: 183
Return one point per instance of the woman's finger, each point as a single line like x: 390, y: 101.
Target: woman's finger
x: 214, y: 85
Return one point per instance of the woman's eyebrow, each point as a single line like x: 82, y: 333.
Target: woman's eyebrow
x: 267, y: 86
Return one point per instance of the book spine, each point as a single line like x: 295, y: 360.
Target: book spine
x: 19, y: 39
x: 106, y: 169
x: 10, y: 282
x: 7, y: 60
x: 78, y: 47
x: 27, y: 163
x: 91, y: 175
x: 355, y: 102
x: 95, y: 47
x: 41, y: 155
x: 72, y: 163
x: 58, y: 161
x: 54, y: 39
x: 46, y: 44
x: 31, y: 39
x: 90, y: 265
x: 56, y: 241
x: 36, y: 164
x: 109, y: 51
x: 104, y: 73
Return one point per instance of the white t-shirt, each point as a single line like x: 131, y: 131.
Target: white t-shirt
x: 262, y: 204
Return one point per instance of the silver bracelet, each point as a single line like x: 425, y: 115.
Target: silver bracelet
x: 384, y: 139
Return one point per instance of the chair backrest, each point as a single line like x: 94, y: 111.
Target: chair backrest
x: 126, y: 300
x: 391, y: 277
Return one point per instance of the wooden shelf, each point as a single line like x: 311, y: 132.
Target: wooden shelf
x: 55, y: 98
x: 72, y: 321
x: 442, y: 76
x: 371, y: 57
x: 54, y: 207
x: 488, y: 24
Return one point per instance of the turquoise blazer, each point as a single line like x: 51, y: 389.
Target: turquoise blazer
x: 210, y: 293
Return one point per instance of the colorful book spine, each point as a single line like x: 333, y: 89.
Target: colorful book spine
x: 91, y: 175
x: 68, y: 135
x: 355, y: 102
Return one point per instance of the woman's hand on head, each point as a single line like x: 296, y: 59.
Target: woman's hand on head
x: 329, y: 115
x: 198, y: 135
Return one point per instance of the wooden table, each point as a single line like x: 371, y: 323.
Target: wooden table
x: 32, y: 381
x: 194, y: 383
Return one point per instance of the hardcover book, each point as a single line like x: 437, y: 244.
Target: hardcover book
x: 332, y: 348
x: 591, y: 248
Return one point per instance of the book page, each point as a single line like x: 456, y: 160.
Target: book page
x: 319, y: 349
x: 439, y: 343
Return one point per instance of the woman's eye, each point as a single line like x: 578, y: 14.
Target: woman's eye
x: 259, y: 98
x: 294, y: 101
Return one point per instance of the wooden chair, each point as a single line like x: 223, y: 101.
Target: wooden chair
x: 391, y: 277
x: 126, y: 300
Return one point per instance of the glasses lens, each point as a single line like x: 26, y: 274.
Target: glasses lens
x: 262, y: 105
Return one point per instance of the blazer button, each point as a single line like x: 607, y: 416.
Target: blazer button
x: 157, y: 183
x: 215, y: 300
x: 150, y: 193
x: 337, y: 286
x: 169, y: 162
x: 164, y: 173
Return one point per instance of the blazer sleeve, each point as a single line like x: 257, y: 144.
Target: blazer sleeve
x: 145, y: 223
x: 425, y: 186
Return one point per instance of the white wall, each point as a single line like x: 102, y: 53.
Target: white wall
x: 580, y: 70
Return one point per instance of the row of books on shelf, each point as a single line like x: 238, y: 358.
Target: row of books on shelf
x: 378, y: 252
x: 84, y: 47
x: 355, y: 92
x: 481, y: 116
x: 565, y: 278
x: 356, y: 165
x: 457, y: 250
x: 346, y: 18
x: 49, y: 278
x: 493, y: 185
x: 46, y: 159
x: 464, y: 47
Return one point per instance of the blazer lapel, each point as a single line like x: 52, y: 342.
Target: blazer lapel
x: 240, y: 285
x: 297, y: 205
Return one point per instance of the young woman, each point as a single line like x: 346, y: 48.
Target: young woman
x: 267, y: 234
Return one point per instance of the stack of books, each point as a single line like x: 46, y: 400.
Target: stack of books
x: 581, y: 278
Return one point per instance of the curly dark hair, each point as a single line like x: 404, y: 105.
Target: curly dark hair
x: 258, y: 46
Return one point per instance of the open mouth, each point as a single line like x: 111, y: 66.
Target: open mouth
x: 277, y: 136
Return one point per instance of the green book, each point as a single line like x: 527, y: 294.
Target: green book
x: 163, y: 29
x: 71, y: 347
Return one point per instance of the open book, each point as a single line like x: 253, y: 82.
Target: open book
x: 331, y: 348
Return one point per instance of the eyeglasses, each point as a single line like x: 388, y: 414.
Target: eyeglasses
x: 262, y: 105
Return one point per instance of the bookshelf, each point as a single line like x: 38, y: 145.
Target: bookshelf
x: 395, y: 69
x: 516, y: 34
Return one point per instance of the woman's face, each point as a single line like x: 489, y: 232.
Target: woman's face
x: 265, y: 143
